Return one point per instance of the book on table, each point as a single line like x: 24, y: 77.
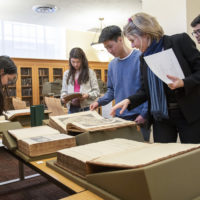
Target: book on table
x: 41, y: 140
x: 11, y: 114
x: 117, y: 154
x: 87, y: 121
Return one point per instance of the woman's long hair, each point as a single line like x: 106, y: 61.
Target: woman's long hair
x: 9, y: 67
x: 84, y: 70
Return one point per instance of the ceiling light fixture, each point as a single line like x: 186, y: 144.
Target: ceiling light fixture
x: 96, y: 45
x: 48, y: 8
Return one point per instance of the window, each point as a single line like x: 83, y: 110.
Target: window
x: 32, y: 41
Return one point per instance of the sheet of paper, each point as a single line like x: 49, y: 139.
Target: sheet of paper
x: 164, y: 63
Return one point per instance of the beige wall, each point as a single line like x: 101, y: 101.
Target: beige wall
x: 193, y: 10
x: 83, y: 40
x: 174, y: 16
x: 171, y: 14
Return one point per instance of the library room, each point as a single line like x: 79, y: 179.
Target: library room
x: 99, y: 100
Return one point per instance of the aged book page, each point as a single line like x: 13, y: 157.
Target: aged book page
x: 2, y: 117
x: 88, y: 121
x: 10, y: 114
x: 74, y: 159
x: 18, y: 104
x: 54, y: 105
x: 32, y: 132
x: 70, y: 96
x: 45, y: 144
x: 117, y: 154
x: 41, y: 140
x: 144, y: 155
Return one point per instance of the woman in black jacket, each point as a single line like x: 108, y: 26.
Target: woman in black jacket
x: 173, y: 108
x: 8, y: 75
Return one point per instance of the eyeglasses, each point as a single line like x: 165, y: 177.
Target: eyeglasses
x: 196, y: 32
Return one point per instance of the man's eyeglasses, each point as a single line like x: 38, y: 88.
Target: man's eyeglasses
x: 196, y: 32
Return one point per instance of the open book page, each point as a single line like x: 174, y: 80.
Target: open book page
x: 33, y: 132
x: 139, y: 156
x: 11, y: 113
x: 2, y: 117
x: 164, y: 63
x: 88, y: 121
x: 74, y: 159
x: 70, y: 96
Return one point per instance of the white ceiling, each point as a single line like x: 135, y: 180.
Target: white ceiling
x: 71, y: 14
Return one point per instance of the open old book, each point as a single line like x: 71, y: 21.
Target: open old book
x: 41, y: 140
x: 117, y: 154
x: 11, y: 114
x: 70, y: 96
x: 86, y: 121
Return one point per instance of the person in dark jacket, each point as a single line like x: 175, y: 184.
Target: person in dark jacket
x: 174, y: 108
x: 195, y: 24
x: 8, y: 76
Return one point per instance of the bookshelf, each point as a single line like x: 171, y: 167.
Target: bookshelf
x: 32, y: 73
x: 26, y: 85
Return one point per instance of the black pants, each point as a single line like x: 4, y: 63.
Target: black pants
x: 167, y: 130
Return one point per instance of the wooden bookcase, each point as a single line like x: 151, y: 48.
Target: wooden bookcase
x: 32, y: 73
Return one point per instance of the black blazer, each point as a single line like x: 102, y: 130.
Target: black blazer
x: 188, y: 97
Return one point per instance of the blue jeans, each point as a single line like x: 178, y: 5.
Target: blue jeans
x: 75, y: 109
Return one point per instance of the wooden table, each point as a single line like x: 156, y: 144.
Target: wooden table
x: 75, y: 191
x: 80, y: 192
x: 84, y: 195
x: 41, y: 165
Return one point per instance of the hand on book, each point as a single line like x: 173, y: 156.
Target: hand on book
x: 94, y: 105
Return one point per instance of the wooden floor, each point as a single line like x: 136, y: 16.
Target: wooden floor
x: 36, y: 188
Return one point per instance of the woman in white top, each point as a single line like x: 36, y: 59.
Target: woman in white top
x: 79, y: 79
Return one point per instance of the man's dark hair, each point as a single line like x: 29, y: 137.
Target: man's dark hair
x: 195, y: 21
x: 110, y: 33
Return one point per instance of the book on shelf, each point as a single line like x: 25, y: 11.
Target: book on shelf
x: 117, y: 154
x: 41, y: 140
x: 87, y: 121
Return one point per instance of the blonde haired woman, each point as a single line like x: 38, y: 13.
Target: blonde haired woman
x: 173, y: 108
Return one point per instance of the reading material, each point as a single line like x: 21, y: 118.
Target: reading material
x: 11, y: 114
x: 41, y: 140
x: 164, y: 63
x: 86, y: 121
x: 117, y: 154
x: 70, y: 96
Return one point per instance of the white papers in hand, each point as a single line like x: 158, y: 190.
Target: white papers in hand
x: 164, y: 63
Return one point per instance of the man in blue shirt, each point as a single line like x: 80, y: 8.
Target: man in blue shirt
x: 123, y: 76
